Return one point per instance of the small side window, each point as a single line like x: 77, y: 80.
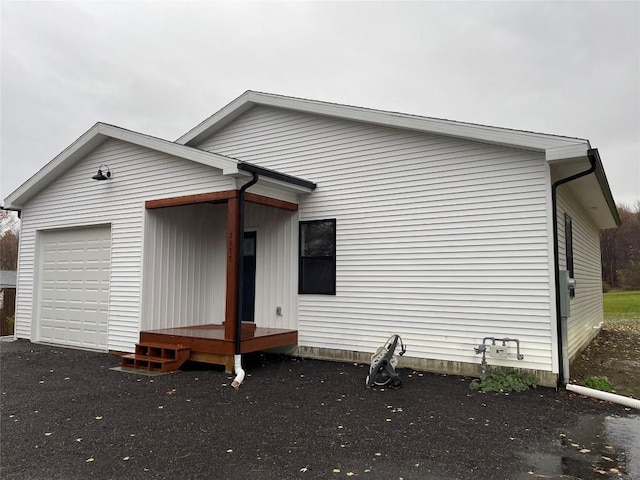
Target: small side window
x: 317, y: 259
x: 568, y: 239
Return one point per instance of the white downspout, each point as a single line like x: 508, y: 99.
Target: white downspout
x: 606, y: 396
x: 239, y: 372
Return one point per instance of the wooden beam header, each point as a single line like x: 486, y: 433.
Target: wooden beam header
x: 220, y: 197
x: 213, y: 197
x: 270, y: 202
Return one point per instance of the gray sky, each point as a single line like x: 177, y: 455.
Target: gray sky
x: 567, y: 68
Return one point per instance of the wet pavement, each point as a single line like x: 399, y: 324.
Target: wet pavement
x: 595, y: 447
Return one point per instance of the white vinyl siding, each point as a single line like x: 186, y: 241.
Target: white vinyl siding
x: 586, y: 311
x: 440, y: 240
x: 74, y: 199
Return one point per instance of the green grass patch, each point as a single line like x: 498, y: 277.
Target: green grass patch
x: 622, y: 304
x: 599, y: 383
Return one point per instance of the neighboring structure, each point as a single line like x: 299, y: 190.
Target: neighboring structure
x: 437, y: 230
x: 7, y: 301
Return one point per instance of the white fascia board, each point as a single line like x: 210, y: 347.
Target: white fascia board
x: 216, y: 121
x: 206, y: 158
x: 272, y: 182
x: 84, y: 144
x: 482, y: 133
x: 576, y: 150
x: 91, y: 139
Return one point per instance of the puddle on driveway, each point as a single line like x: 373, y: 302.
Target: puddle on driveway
x: 597, y: 447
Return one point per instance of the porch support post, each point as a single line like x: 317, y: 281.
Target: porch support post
x: 233, y: 244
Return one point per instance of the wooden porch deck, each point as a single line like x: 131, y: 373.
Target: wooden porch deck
x: 207, y: 343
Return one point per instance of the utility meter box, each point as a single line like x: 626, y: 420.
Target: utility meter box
x: 498, y: 351
x: 565, y: 285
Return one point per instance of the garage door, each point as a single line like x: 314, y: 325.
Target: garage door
x: 74, y: 288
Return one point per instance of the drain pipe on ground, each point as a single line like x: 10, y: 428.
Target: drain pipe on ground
x: 237, y: 358
x: 606, y: 396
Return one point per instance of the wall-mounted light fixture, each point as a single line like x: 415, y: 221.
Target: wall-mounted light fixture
x: 103, y: 173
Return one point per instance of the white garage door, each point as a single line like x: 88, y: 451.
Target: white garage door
x: 74, y: 287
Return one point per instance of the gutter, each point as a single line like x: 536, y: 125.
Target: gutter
x: 239, y: 284
x: 283, y: 177
x: 593, y: 156
x: 13, y: 210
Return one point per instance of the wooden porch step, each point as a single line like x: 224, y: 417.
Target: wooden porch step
x: 157, y: 357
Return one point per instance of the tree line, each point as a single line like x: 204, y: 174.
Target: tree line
x: 620, y: 251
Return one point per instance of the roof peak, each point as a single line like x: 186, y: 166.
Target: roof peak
x: 473, y: 131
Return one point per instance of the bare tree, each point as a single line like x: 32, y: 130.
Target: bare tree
x: 620, y: 248
x: 9, y: 224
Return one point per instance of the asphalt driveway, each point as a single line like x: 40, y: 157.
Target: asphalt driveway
x: 64, y: 414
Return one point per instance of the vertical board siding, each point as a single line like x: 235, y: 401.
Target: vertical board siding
x: 586, y: 309
x: 179, y: 266
x: 276, y: 265
x: 440, y: 240
x: 74, y: 199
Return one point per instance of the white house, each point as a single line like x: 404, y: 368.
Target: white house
x: 362, y: 223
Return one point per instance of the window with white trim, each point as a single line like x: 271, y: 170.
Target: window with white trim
x: 568, y: 249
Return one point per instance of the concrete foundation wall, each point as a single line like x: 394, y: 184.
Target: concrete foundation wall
x: 545, y: 379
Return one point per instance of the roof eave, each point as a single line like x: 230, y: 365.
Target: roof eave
x: 602, y: 208
x: 601, y: 176
x: 95, y: 136
x: 84, y: 144
x: 533, y: 141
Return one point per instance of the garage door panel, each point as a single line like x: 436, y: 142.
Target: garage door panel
x: 75, y: 287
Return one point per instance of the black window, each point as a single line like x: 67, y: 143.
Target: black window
x: 317, y: 269
x: 568, y: 240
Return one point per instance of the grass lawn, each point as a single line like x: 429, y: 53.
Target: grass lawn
x: 620, y: 304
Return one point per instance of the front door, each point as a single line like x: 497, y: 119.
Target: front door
x: 249, y: 277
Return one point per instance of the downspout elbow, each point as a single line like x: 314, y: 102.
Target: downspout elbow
x: 239, y: 372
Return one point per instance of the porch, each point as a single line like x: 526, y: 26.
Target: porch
x: 210, y: 268
x: 207, y: 343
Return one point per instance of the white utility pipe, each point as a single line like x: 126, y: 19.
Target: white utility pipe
x: 239, y: 372
x: 600, y: 395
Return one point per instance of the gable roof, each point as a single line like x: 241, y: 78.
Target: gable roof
x: 556, y: 146
x: 100, y: 132
x: 567, y: 155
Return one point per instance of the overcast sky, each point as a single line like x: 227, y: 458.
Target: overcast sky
x: 160, y: 68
